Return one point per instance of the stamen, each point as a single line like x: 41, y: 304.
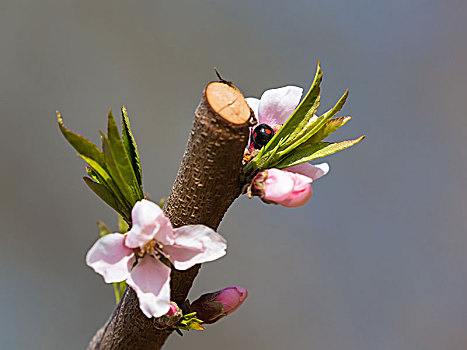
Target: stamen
x: 152, y: 248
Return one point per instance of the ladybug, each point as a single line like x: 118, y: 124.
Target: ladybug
x: 262, y: 134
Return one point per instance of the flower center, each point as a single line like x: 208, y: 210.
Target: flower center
x: 153, y: 248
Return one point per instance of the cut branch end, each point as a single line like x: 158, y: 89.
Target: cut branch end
x: 227, y: 101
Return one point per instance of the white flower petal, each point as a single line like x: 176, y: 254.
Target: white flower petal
x: 110, y: 258
x: 150, y: 279
x: 195, y: 244
x: 254, y: 104
x: 314, y: 171
x: 148, y: 221
x: 145, y: 212
x: 165, y: 231
x: 277, y: 105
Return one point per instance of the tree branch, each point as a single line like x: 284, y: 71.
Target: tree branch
x: 207, y: 183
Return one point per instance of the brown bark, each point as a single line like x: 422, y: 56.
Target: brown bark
x: 207, y: 183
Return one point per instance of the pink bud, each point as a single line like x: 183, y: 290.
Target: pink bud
x: 282, y: 187
x: 171, y: 318
x: 211, y: 307
x: 231, y: 298
x: 173, y: 309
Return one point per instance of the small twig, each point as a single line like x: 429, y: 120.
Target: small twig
x: 229, y: 83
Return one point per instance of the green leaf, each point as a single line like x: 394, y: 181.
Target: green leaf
x: 103, y: 229
x: 121, y: 158
x: 131, y: 147
x: 314, y: 126
x: 101, y: 176
x: 300, y: 117
x: 93, y: 175
x: 102, y: 191
x: 309, y: 152
x: 81, y: 144
x: 269, y: 158
x: 328, y: 128
x: 119, y: 290
x: 111, y: 164
x: 189, y: 321
x: 189, y: 316
x: 123, y: 226
x: 114, y: 173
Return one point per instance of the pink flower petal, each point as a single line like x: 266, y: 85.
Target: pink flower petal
x: 148, y: 222
x: 150, y: 279
x: 283, y: 187
x: 277, y: 105
x: 145, y: 212
x: 298, y: 199
x: 165, y: 233
x: 278, y: 185
x: 301, y: 193
x: 254, y: 104
x: 310, y: 170
x: 301, y: 181
x: 195, y: 244
x: 110, y: 258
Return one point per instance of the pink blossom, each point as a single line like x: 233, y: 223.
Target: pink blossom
x: 287, y: 188
x: 212, y: 306
x: 134, y: 257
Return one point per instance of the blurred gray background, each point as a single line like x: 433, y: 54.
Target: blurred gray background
x: 376, y: 260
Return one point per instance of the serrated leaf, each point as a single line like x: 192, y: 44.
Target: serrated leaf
x: 336, y: 147
x: 103, y: 229
x: 81, y: 144
x: 107, y: 197
x: 309, y: 152
x: 96, y: 177
x: 104, y: 178
x: 121, y: 157
x: 300, y: 117
x: 313, y: 126
x: 118, y: 196
x: 328, y: 128
x: 131, y: 147
x: 111, y: 164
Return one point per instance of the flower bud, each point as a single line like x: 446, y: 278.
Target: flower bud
x: 211, y: 307
x: 171, y: 318
x: 282, y: 187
